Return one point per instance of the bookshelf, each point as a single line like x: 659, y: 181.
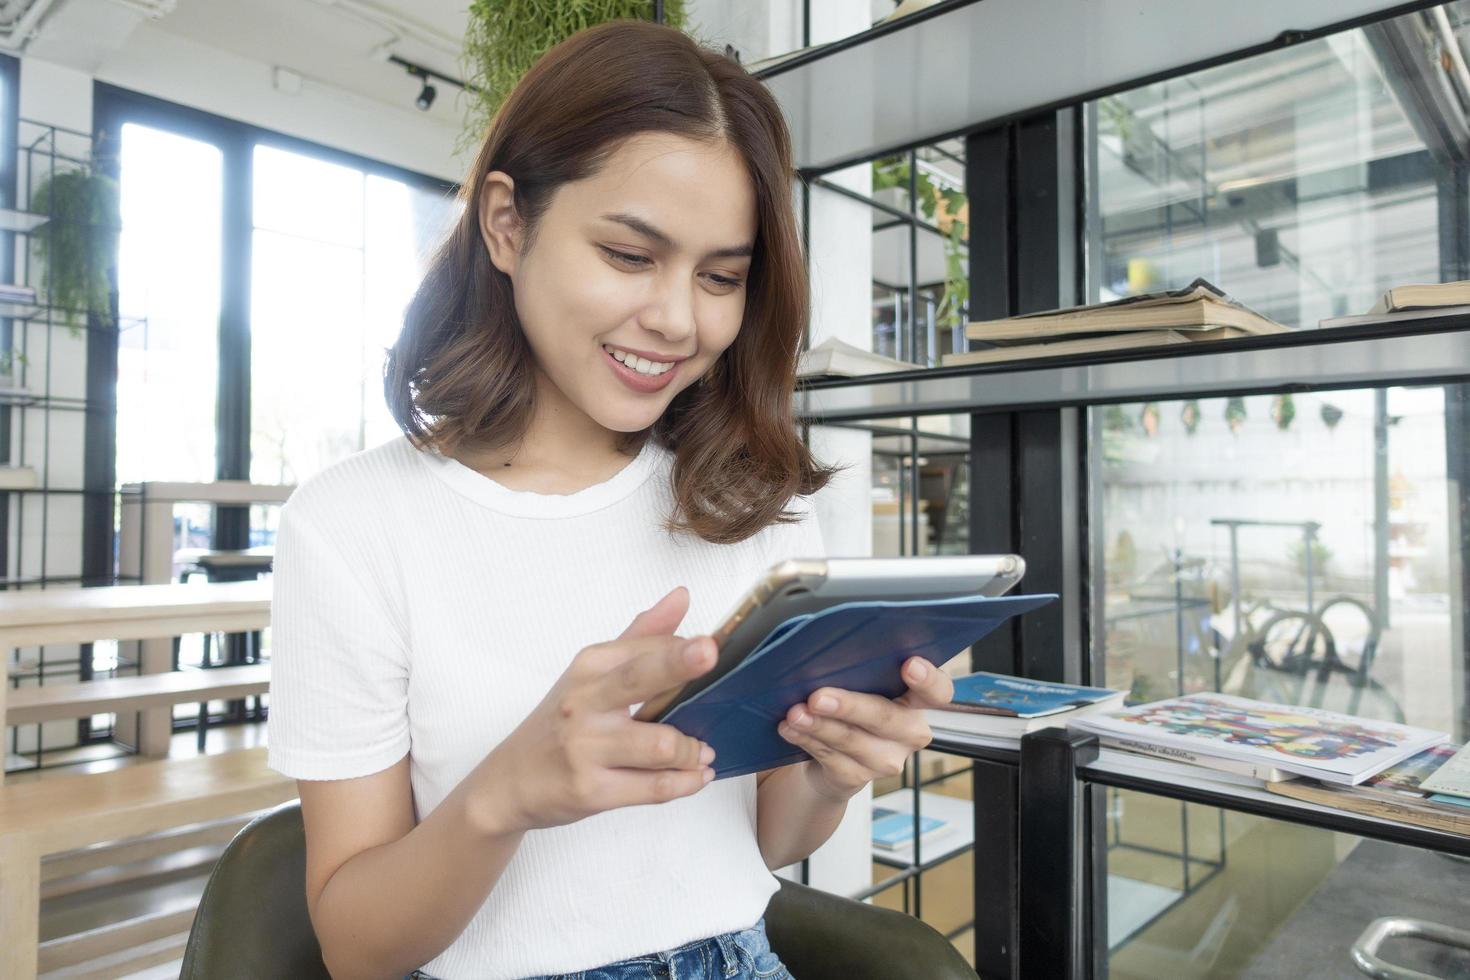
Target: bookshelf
x: 958, y: 813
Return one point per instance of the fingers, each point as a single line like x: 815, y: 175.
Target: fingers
x: 663, y: 617
x: 656, y: 664
x: 642, y: 745
x: 929, y: 687
x: 853, y: 755
x: 880, y: 716
x: 631, y: 787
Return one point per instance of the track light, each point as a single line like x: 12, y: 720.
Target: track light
x: 426, y: 97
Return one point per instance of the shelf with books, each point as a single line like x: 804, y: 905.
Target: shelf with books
x: 1370, y: 353
x: 958, y: 828
x: 1119, y: 769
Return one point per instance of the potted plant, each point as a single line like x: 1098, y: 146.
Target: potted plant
x: 77, y: 243
x: 504, y: 37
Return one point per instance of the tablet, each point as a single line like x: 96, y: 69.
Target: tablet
x: 800, y: 586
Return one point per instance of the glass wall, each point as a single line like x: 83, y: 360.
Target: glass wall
x: 169, y: 262
x: 1303, y: 548
x: 918, y: 248
x: 1304, y: 182
x: 337, y: 254
x: 1197, y: 892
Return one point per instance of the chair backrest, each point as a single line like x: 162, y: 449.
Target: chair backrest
x: 822, y: 936
x: 252, y: 920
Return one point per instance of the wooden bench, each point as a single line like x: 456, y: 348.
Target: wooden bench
x: 131, y: 612
x: 66, y: 813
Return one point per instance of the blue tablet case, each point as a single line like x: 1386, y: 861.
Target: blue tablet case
x: 855, y: 646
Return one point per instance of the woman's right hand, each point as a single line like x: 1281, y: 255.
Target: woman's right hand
x: 580, y: 752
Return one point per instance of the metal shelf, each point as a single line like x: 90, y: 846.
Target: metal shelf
x: 960, y: 64
x: 1113, y: 768
x: 1428, y: 348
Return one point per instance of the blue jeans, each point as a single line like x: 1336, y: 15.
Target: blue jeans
x: 741, y: 955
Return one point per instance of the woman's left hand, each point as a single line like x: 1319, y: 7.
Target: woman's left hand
x: 854, y: 738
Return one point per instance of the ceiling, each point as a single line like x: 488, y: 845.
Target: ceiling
x: 338, y: 43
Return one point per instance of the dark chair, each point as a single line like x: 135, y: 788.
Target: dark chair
x: 252, y: 922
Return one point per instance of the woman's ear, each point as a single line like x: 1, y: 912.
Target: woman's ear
x: 500, y: 226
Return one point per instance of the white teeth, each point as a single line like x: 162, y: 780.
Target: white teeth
x: 639, y: 364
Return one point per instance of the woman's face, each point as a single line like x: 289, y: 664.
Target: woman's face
x: 635, y: 280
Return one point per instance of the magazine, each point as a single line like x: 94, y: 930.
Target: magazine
x: 1017, y: 697
x: 1009, y: 707
x: 1325, y: 745
x: 1452, y: 776
x: 893, y: 829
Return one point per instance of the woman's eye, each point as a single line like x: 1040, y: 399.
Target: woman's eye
x: 627, y: 257
x: 724, y: 282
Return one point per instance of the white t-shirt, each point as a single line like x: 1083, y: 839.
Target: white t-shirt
x: 422, y: 608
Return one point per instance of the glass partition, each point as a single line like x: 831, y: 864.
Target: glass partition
x: 1304, y: 182
x: 1193, y: 891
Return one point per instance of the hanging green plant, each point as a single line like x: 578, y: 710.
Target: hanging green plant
x: 947, y: 207
x: 1190, y: 416
x: 1235, y: 413
x: 77, y: 243
x: 1116, y: 420
x: 503, y: 38
x: 1283, y: 410
x: 1331, y: 415
x: 1149, y: 419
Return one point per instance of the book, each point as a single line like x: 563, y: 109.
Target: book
x: 1406, y: 778
x: 1017, y: 697
x: 1421, y: 296
x: 995, y: 704
x: 1325, y: 745
x: 1257, y: 773
x: 893, y: 829
x: 1070, y: 347
x: 1397, y: 793
x: 834, y: 358
x: 1452, y: 776
x: 1200, y: 306
x: 854, y: 646
x: 1168, y: 768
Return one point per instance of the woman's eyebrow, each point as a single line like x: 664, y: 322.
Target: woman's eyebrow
x: 649, y: 231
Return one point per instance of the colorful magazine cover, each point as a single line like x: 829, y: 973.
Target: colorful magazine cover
x: 1404, y: 778
x: 1326, y: 745
x: 1015, y: 697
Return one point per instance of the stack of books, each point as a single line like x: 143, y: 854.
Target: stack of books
x: 1257, y: 742
x: 1009, y: 707
x: 1426, y: 296
x: 834, y: 358
x: 1198, y: 312
x: 1431, y: 789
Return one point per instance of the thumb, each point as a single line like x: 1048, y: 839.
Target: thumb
x: 662, y: 617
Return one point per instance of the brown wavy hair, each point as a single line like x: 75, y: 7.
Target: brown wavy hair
x: 461, y: 373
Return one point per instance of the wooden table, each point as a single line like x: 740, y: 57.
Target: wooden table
x: 131, y: 612
x: 55, y: 815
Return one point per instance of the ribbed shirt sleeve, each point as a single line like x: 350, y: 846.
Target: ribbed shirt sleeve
x: 339, y: 663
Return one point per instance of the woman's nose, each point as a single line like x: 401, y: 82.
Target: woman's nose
x: 672, y: 313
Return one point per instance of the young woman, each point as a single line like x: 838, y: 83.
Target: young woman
x: 595, y: 384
